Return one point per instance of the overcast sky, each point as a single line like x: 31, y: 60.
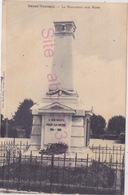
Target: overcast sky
x: 99, y: 54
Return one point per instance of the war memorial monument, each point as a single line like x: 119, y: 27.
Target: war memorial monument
x: 61, y: 117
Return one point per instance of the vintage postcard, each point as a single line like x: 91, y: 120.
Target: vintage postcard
x: 63, y: 97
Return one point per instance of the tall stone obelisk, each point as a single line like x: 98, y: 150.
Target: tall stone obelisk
x: 62, y: 59
x: 61, y: 117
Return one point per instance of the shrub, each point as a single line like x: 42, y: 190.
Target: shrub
x: 57, y: 148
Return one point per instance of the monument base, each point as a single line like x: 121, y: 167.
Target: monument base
x: 60, y: 119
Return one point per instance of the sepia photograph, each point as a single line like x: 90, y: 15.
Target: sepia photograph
x: 63, y: 97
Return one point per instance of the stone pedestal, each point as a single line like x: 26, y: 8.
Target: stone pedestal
x: 60, y: 121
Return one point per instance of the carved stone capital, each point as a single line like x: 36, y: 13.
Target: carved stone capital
x: 64, y: 28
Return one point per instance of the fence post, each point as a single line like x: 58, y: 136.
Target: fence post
x: 116, y: 154
x: 52, y: 166
x: 14, y: 141
x: 30, y: 167
x: 27, y: 146
x: 4, y: 146
x: 41, y: 172
x: 1, y: 151
x: 118, y: 180
x: 123, y: 162
x: 120, y: 153
x: 106, y: 152
x: 35, y: 172
x: 87, y: 170
x: 99, y: 158
x: 3, y: 175
x: 98, y: 173
x: 87, y: 159
x: 102, y: 156
x: 13, y: 160
x: 99, y: 148
x: 9, y: 144
x: 21, y: 145
x: 75, y: 159
x: 110, y: 172
x: 122, y: 177
x: 63, y: 173
x: 19, y: 170
x: 113, y: 153
x: 8, y: 164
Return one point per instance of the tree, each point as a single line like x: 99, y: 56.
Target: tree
x: 97, y: 124
x: 23, y: 116
x: 116, y: 124
x: 12, y: 129
x: 3, y: 126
